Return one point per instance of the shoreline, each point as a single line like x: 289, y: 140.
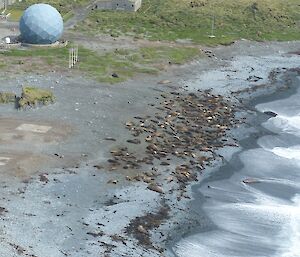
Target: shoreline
x: 123, y: 202
x: 233, y: 164
x: 247, y: 141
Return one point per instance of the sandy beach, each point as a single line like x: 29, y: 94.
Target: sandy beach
x: 104, y: 174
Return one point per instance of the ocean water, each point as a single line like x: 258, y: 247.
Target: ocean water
x: 255, y: 219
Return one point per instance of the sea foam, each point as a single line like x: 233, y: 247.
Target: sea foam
x: 287, y: 124
x: 292, y: 152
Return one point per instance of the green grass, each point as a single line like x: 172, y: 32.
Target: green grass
x: 125, y: 63
x: 128, y: 63
x: 2, y: 64
x: 36, y: 52
x: 15, y: 14
x: 32, y: 96
x: 7, y: 97
x: 68, y: 16
x: 63, y: 6
x: 35, y: 59
x: 174, y: 55
x: 177, y: 19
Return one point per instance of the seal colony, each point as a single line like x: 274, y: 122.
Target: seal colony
x: 172, y: 145
x: 187, y: 128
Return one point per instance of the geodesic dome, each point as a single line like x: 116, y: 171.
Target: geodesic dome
x: 41, y: 24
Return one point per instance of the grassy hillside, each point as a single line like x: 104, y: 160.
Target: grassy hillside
x: 187, y: 19
x: 65, y: 7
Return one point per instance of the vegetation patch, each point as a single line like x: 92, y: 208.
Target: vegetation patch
x: 15, y: 14
x: 7, y: 97
x: 68, y: 15
x: 120, y: 65
x: 111, y: 67
x: 184, y: 19
x: 32, y: 96
x: 63, y: 6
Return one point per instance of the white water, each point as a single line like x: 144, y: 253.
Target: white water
x: 287, y: 124
x: 289, y: 152
x: 260, y: 219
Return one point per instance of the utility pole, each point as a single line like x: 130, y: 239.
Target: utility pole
x: 213, y: 19
x: 212, y: 34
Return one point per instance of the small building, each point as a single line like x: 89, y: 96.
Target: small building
x: 122, y: 5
